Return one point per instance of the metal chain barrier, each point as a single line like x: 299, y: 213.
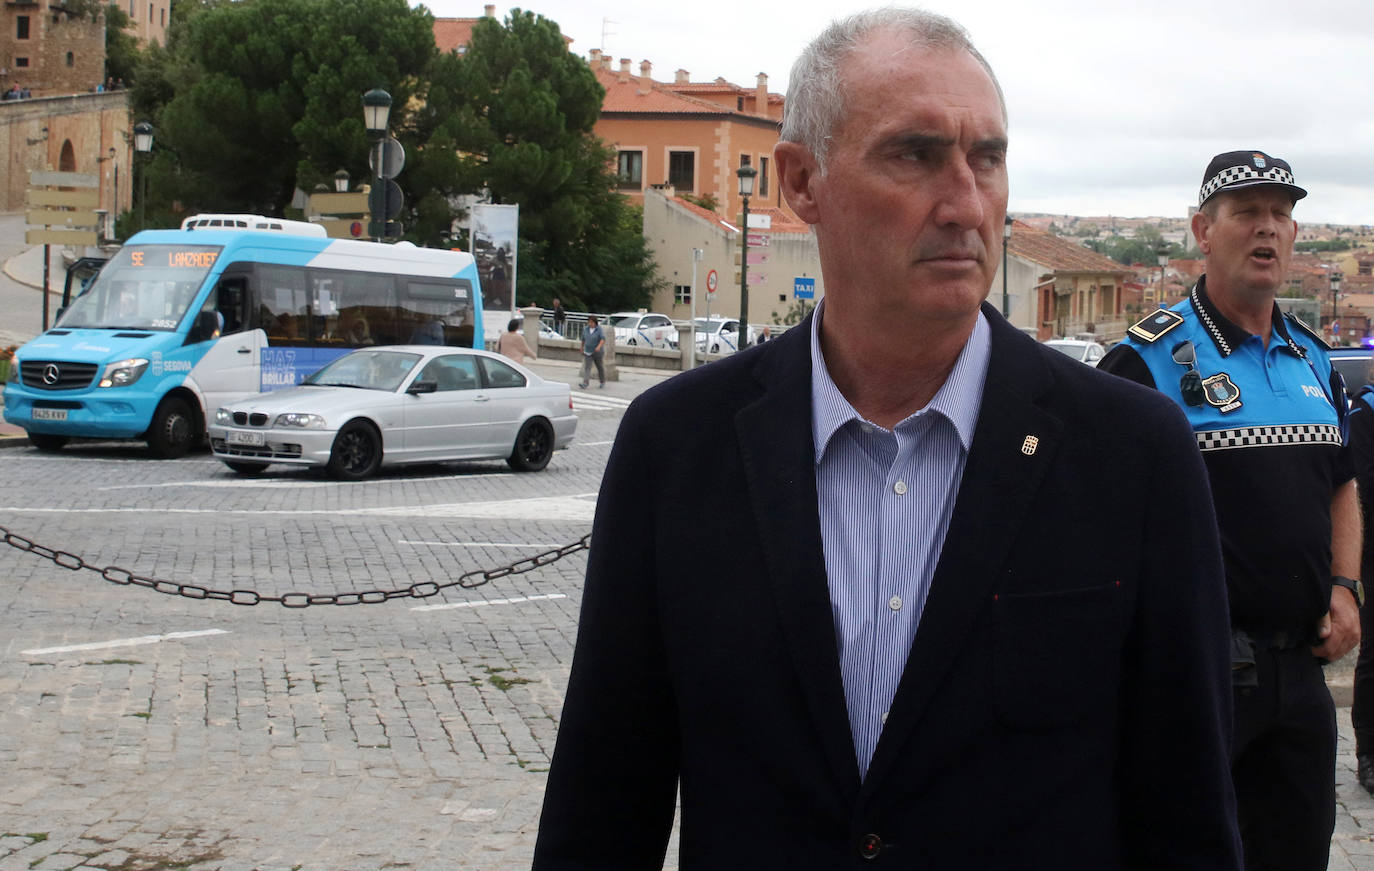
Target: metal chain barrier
x: 124, y: 577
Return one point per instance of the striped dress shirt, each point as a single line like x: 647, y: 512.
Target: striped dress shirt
x: 885, y: 501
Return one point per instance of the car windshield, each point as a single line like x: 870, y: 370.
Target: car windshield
x: 705, y: 326
x: 625, y: 321
x: 143, y: 287
x: 1073, y: 349
x: 1355, y: 370
x: 371, y: 370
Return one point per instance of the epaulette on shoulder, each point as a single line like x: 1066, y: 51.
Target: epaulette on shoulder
x: 1154, y: 325
x: 1306, y: 330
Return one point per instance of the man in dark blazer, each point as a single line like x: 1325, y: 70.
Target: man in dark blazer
x: 1049, y: 689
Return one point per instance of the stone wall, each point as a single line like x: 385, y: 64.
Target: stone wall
x: 35, y: 134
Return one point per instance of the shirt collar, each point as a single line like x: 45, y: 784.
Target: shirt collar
x: 958, y: 399
x: 1226, y: 335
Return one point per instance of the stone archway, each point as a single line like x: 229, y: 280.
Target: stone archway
x: 66, y: 162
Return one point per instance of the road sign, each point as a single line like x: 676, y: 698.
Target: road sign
x: 711, y: 281
x: 40, y: 177
x: 60, y: 237
x: 393, y: 158
x: 760, y: 222
x: 760, y: 240
x: 757, y: 278
x: 89, y: 199
x: 55, y: 218
x: 385, y: 201
x: 758, y: 258
x: 804, y: 288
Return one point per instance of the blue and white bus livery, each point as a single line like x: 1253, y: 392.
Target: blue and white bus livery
x: 180, y: 322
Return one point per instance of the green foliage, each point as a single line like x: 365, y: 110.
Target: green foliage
x: 516, y: 113
x: 1325, y: 245
x: 256, y: 98
x: 706, y: 201
x: 121, y: 46
x: 1142, y: 248
x: 796, y: 311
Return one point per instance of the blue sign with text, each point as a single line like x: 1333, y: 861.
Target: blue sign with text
x: 804, y: 288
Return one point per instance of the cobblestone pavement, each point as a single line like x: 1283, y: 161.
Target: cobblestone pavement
x: 145, y: 731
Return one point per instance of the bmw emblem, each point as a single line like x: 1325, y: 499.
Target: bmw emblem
x: 51, y: 373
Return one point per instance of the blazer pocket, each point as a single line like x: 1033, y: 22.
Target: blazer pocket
x: 1056, y: 655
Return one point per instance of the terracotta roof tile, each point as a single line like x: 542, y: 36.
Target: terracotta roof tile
x: 452, y: 33
x: 1058, y: 254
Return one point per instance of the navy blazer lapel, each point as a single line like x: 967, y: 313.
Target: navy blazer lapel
x: 1013, y: 444
x: 779, y: 462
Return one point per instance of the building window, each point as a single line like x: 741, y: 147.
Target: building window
x: 150, y: 13
x: 162, y: 17
x: 21, y: 62
x: 682, y: 170
x: 739, y: 104
x: 21, y: 27
x: 744, y: 161
x: 763, y: 176
x: 71, y: 59
x: 630, y: 170
x: 682, y: 294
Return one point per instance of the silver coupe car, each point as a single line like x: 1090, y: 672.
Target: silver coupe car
x: 399, y: 404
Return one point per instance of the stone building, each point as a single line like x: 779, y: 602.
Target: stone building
x: 48, y: 50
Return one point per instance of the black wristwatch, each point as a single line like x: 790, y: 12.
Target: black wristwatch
x: 1355, y: 587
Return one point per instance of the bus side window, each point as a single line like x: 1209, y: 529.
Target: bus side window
x: 232, y: 303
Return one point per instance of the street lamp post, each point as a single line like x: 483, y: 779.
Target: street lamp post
x: 746, y: 189
x: 1006, y: 240
x: 341, y: 181
x: 143, y: 143
x: 1335, y: 278
x: 1162, y: 252
x: 376, y: 111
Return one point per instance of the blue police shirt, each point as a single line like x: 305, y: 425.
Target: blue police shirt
x: 1268, y: 423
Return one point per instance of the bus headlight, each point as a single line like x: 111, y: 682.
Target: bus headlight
x: 123, y: 373
x: 303, y: 421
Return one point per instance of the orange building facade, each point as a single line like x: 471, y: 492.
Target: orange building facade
x: 690, y: 136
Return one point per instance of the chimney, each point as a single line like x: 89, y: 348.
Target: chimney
x: 490, y: 10
x: 682, y: 77
x: 606, y: 62
x: 761, y: 95
x: 624, y: 69
x: 594, y: 58
x: 646, y: 82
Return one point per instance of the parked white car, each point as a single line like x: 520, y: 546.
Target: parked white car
x: 1079, y: 349
x: 390, y: 405
x: 719, y: 335
x: 645, y: 329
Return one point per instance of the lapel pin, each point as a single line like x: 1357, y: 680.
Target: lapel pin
x: 1029, y: 445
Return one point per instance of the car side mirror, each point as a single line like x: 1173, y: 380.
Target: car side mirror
x: 419, y: 387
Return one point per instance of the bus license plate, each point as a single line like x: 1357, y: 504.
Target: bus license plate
x: 50, y: 414
x: 237, y: 437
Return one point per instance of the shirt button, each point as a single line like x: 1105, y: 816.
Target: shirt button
x: 899, y: 488
x: 895, y: 603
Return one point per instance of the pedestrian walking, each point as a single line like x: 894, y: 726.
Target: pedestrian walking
x: 1269, y: 414
x: 928, y: 646
x: 513, y: 345
x: 593, y: 352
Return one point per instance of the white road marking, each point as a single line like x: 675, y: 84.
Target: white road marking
x: 592, y: 402
x: 297, y: 482
x: 592, y: 444
x: 514, y: 600
x: 578, y: 508
x: 123, y: 642
x: 477, y: 544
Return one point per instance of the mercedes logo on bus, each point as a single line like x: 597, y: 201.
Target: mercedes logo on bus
x: 51, y: 373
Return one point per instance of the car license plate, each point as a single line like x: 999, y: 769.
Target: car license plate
x: 50, y: 414
x: 238, y: 437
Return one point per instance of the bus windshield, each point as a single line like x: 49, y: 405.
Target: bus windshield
x: 144, y: 287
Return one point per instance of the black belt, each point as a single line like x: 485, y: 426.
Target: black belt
x: 1281, y: 639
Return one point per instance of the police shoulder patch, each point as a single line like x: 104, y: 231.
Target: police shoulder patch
x: 1295, y: 321
x: 1155, y: 324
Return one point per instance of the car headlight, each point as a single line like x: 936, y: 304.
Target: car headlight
x: 13, y: 376
x: 224, y: 416
x: 123, y: 373
x: 304, y: 421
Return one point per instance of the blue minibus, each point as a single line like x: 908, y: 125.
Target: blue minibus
x: 179, y: 322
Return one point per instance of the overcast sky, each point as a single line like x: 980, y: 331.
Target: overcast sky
x: 1113, y: 111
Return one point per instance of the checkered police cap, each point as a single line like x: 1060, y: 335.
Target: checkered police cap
x: 1241, y: 169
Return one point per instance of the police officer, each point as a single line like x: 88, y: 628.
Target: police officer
x: 1269, y: 414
